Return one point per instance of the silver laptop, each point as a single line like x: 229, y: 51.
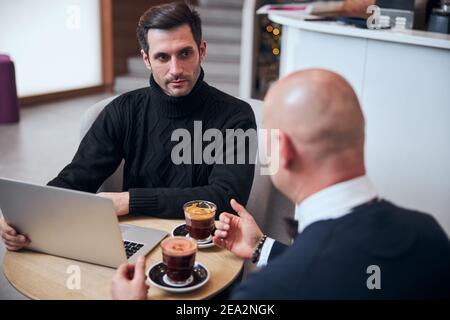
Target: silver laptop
x: 73, y: 224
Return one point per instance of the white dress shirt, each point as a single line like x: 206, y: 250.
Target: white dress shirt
x: 330, y: 203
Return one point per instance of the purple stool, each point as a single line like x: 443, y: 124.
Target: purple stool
x: 9, y: 104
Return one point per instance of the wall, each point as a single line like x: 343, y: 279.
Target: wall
x: 55, y: 45
x: 405, y: 99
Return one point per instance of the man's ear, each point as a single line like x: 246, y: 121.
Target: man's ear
x: 287, y: 151
x: 146, y: 60
x: 202, y: 50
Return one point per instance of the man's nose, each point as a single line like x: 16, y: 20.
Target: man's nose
x: 176, y: 68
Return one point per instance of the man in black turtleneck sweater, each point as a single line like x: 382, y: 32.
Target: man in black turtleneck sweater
x: 138, y: 125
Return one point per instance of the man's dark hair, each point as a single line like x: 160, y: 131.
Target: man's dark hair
x: 166, y: 17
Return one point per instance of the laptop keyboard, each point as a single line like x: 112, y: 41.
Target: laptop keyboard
x: 131, y: 247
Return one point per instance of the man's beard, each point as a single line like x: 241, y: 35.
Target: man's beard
x: 191, y: 82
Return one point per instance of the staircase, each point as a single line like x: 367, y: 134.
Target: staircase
x: 221, y: 25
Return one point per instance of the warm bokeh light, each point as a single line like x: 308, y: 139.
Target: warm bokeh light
x: 276, y: 31
x: 269, y: 28
x: 276, y: 51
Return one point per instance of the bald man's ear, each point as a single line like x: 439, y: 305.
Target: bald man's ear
x: 287, y: 151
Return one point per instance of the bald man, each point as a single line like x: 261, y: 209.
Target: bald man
x: 349, y: 243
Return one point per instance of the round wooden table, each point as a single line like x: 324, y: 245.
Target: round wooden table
x: 43, y: 276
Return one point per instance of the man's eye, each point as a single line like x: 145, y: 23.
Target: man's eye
x: 162, y: 58
x: 186, y: 53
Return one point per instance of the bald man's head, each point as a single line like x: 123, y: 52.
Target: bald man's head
x: 318, y: 110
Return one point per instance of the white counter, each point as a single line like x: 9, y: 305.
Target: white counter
x: 416, y: 37
x: 403, y: 82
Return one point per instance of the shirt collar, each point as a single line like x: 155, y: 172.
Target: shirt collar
x: 335, y: 201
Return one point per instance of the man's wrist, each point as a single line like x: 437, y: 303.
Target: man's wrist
x: 265, y: 252
x: 257, y: 251
x: 124, y: 203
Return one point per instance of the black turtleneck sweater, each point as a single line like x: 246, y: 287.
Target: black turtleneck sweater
x: 137, y: 127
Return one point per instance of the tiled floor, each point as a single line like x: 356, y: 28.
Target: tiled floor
x: 38, y: 147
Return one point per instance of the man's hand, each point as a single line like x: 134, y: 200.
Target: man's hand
x: 239, y: 234
x: 356, y: 8
x: 13, y: 241
x: 128, y: 282
x: 121, y: 201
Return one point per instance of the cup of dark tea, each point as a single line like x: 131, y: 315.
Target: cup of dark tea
x: 179, y: 258
x: 200, y: 216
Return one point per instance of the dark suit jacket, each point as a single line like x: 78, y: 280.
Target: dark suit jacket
x: 330, y: 259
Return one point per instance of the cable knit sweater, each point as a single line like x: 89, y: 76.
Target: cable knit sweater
x: 137, y: 127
